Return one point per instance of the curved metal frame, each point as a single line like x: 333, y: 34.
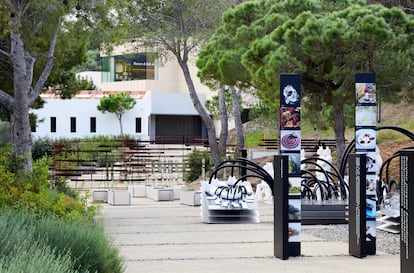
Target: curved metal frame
x: 351, y: 145
x: 258, y: 171
x: 329, y: 175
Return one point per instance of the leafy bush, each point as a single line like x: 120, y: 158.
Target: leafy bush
x: 71, y: 153
x: 84, y: 240
x: 31, y: 190
x: 195, y: 159
x: 41, y: 147
x: 49, y: 244
x: 32, y: 258
x: 5, y: 136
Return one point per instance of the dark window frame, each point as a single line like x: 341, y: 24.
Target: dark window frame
x: 73, y: 124
x: 53, y: 124
x: 138, y: 125
x: 92, y: 122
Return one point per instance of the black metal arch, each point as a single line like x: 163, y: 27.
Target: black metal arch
x: 244, y: 164
x: 351, y: 145
x: 329, y: 175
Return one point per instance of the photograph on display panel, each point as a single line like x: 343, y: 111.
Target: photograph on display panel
x: 293, y: 163
x: 294, y: 232
x: 371, y: 231
x: 374, y: 162
x: 295, y: 185
x: 290, y: 140
x: 371, y: 184
x: 289, y: 117
x: 290, y: 96
x: 365, y: 115
x: 294, y: 209
x: 366, y: 139
x: 365, y: 93
x: 371, y: 212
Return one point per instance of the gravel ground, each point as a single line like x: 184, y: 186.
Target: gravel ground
x: 386, y: 242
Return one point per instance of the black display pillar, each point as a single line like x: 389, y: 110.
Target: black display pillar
x: 357, y: 205
x: 290, y: 146
x: 366, y: 143
x: 406, y: 205
x: 280, y: 203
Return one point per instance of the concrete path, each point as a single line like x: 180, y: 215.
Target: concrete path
x: 170, y: 237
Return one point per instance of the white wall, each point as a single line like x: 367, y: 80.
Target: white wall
x: 173, y: 104
x: 83, y: 109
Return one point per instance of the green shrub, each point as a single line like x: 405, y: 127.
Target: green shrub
x: 32, y: 258
x: 31, y: 190
x: 5, y: 136
x: 84, y: 240
x: 41, y: 147
x: 72, y: 153
x: 21, y: 252
x: 195, y: 159
x: 28, y: 241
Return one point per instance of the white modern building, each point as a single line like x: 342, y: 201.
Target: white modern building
x: 163, y: 112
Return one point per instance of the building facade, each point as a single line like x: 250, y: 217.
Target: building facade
x: 163, y: 109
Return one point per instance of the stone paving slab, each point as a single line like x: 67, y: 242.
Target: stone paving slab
x: 171, y: 237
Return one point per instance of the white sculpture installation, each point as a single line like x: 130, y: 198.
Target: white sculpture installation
x: 263, y: 191
x: 302, y: 157
x: 326, y: 154
x: 374, y: 161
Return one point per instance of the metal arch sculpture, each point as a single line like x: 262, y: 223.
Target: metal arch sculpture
x: 351, y: 145
x: 257, y: 171
x: 244, y: 164
x: 329, y: 175
x: 386, y: 165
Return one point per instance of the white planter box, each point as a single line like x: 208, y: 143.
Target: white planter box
x: 138, y: 191
x: 100, y: 195
x: 119, y: 198
x: 160, y: 194
x: 191, y: 198
x: 177, y: 191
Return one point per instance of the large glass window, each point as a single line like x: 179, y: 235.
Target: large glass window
x: 140, y: 66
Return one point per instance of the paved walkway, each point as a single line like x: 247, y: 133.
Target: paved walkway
x: 170, y: 237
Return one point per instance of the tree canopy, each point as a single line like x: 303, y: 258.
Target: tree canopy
x: 327, y: 42
x: 39, y: 42
x: 117, y: 104
x: 179, y: 28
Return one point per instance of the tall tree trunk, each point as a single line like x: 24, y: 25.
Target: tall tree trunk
x: 21, y: 132
x: 121, y: 128
x: 24, y: 94
x: 339, y: 128
x: 224, y: 122
x: 22, y: 77
x: 206, y: 118
x: 235, y: 95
